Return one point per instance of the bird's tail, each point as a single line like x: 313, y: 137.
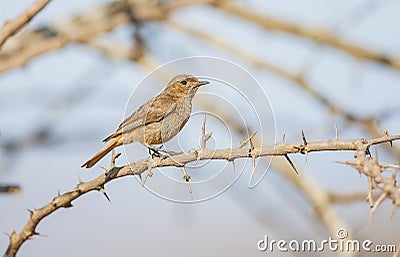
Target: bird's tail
x: 103, y: 152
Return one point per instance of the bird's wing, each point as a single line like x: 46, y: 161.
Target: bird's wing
x: 154, y: 110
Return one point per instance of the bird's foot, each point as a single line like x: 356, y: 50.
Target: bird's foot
x: 154, y: 152
x: 158, y: 151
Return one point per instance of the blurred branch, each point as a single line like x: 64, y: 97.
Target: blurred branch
x: 13, y: 26
x: 321, y: 36
x: 180, y: 160
x: 9, y: 189
x: 81, y: 28
x: 346, y: 198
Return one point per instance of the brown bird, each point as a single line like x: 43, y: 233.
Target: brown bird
x: 158, y: 120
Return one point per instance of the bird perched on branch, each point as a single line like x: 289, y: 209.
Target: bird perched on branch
x: 158, y: 120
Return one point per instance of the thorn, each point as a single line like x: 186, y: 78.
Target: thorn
x: 245, y: 141
x: 203, y: 134
x: 208, y: 136
x: 304, y: 138
x: 13, y: 233
x: 393, y: 211
x: 253, y: 165
x: 39, y: 234
x: 79, y: 179
x: 148, y: 174
x: 186, y: 177
x: 394, y: 176
x: 233, y: 164
x: 346, y: 162
x: 30, y: 212
x: 105, y: 194
x: 253, y: 156
x: 113, y: 158
x: 291, y: 163
x: 251, y: 141
x: 367, y: 152
x: 283, y: 138
x: 149, y: 171
x: 304, y: 150
x: 377, y: 203
x: 369, y: 195
x: 336, y: 132
x: 58, y: 192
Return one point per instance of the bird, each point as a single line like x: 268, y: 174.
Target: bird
x: 157, y: 121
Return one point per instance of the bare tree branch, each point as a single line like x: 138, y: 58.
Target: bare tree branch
x: 318, y: 35
x: 82, y: 28
x: 13, y: 26
x: 9, y: 189
x: 180, y: 160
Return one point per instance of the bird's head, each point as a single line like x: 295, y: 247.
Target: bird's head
x: 184, y: 85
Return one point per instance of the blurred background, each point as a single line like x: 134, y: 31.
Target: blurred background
x: 67, y: 79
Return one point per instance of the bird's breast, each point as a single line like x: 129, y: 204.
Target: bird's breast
x: 176, y: 120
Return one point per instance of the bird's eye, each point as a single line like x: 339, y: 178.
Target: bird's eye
x: 183, y: 82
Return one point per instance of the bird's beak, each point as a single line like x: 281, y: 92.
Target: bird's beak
x: 202, y: 83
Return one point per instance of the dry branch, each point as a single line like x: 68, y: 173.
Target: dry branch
x: 321, y: 36
x: 179, y: 160
x: 13, y: 26
x: 9, y: 189
x: 81, y: 28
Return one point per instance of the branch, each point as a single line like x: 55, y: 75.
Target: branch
x: 82, y: 28
x: 180, y: 160
x: 374, y: 171
x: 9, y: 189
x: 318, y: 35
x: 13, y: 26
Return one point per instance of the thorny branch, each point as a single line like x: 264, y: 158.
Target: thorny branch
x: 369, y: 124
x: 375, y: 172
x: 85, y: 27
x: 387, y: 186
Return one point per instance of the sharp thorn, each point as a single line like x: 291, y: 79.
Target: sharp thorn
x: 253, y: 166
x: 336, y: 132
x: 304, y: 138
x: 233, y: 164
x: 291, y: 163
x: 105, y: 194
x: 367, y: 152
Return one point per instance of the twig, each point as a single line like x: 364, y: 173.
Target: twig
x: 9, y: 189
x: 13, y: 26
